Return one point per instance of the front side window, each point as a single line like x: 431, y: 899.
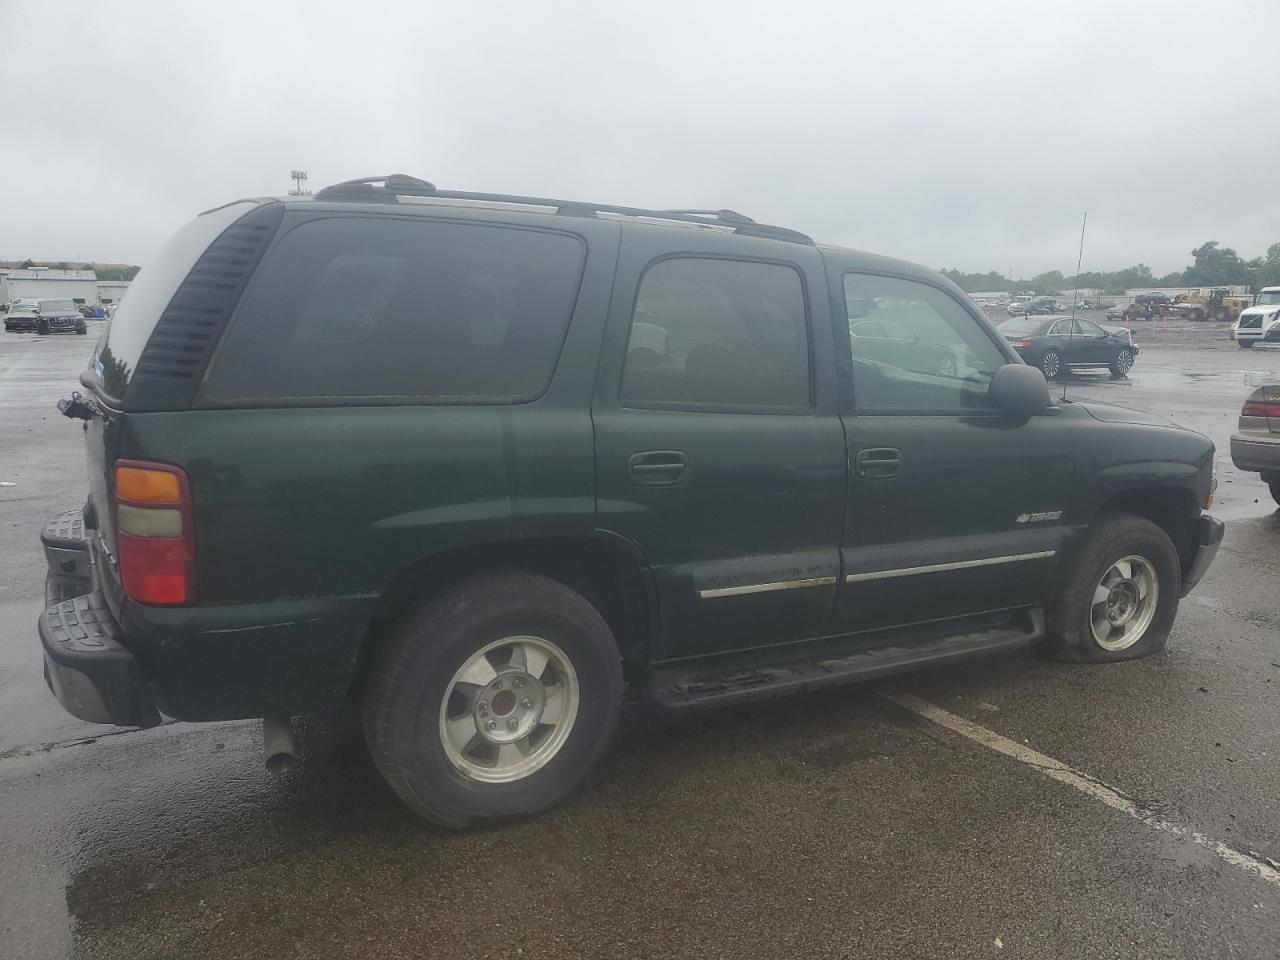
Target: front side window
x: 718, y: 333
x: 391, y: 308
x: 915, y: 348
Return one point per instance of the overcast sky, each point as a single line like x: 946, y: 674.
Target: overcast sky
x: 967, y: 134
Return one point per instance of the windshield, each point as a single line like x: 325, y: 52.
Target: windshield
x: 56, y: 306
x: 1269, y: 298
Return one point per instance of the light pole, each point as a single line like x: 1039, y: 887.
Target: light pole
x: 299, y: 177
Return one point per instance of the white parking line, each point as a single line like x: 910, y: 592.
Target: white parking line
x: 1259, y: 867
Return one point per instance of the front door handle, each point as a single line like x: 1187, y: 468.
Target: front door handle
x: 657, y: 467
x: 878, y: 463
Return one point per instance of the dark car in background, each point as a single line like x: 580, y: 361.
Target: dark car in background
x: 1056, y: 344
x: 886, y: 342
x: 1042, y: 306
x: 59, y: 316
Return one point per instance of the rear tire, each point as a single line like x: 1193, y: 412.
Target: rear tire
x: 427, y: 722
x: 1274, y: 485
x: 1245, y: 344
x: 42, y: 328
x: 1118, y: 598
x: 1051, y: 365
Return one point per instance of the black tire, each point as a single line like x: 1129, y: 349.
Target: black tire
x: 1051, y: 365
x: 406, y: 690
x: 1275, y: 491
x: 1245, y: 344
x: 1068, y: 630
x: 81, y: 330
x: 1123, y: 362
x: 42, y: 328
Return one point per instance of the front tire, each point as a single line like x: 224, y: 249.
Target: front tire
x: 493, y: 699
x: 1119, y: 596
x: 1122, y: 363
x: 1245, y: 344
x: 42, y: 328
x: 1051, y: 365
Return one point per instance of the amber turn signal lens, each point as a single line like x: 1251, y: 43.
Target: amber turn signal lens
x: 147, y: 486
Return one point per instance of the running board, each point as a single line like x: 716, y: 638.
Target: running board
x: 677, y: 688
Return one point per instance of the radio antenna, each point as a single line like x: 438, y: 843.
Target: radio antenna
x: 1075, y: 295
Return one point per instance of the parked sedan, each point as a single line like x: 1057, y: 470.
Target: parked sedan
x: 1056, y: 344
x: 1255, y: 446
x: 886, y: 342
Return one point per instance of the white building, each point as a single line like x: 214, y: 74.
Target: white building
x: 110, y: 291
x: 39, y: 283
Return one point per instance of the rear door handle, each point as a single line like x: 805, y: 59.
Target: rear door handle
x: 878, y: 463
x: 657, y: 467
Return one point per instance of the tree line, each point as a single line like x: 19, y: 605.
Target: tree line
x: 1214, y: 266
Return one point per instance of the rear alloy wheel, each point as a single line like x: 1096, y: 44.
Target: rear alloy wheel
x: 1123, y: 363
x: 492, y: 699
x: 1051, y: 364
x: 1119, y: 595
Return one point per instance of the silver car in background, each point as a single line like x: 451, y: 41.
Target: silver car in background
x: 1255, y: 446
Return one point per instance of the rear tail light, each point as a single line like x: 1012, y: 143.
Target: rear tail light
x: 1261, y: 408
x: 155, y: 533
x: 1021, y: 344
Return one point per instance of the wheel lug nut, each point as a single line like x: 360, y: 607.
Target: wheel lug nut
x: 517, y: 683
x: 513, y: 723
x: 491, y: 725
x: 526, y: 703
x: 484, y: 705
x: 497, y: 684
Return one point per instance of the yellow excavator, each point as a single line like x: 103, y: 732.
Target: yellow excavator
x: 1211, y: 304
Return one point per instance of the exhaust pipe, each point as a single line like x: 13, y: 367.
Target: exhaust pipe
x: 278, y: 748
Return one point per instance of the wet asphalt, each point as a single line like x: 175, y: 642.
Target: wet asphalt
x: 829, y: 825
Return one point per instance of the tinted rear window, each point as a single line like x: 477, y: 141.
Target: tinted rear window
x: 1019, y: 327
x: 386, y: 308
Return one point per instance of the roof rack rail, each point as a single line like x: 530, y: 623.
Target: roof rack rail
x: 387, y: 189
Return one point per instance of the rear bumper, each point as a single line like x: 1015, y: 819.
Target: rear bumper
x: 93, y: 675
x: 1209, y: 531
x: 1256, y: 453
x: 87, y: 668
x: 110, y: 660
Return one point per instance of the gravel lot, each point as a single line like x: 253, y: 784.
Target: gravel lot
x: 908, y: 820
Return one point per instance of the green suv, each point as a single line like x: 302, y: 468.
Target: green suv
x: 486, y: 466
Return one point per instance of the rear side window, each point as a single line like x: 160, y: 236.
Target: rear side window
x: 718, y: 333
x: 401, y: 309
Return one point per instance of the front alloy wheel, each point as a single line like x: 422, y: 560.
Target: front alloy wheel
x: 1124, y: 603
x: 1117, y: 596
x: 1123, y: 362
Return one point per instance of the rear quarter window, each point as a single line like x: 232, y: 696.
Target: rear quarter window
x: 136, y: 317
x: 398, y: 309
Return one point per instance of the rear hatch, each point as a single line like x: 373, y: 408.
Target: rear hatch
x: 155, y: 345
